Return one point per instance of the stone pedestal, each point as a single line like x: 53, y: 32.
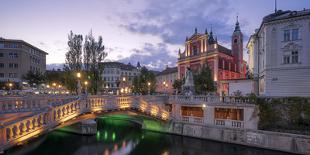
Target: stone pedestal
x: 86, y: 127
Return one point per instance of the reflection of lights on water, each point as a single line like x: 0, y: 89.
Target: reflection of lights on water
x: 105, y: 135
x: 115, y: 147
x: 113, y: 136
x: 98, y: 135
x: 124, y: 144
x: 165, y: 152
x: 106, y: 152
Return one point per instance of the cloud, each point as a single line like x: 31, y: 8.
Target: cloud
x: 157, y: 56
x: 173, y: 20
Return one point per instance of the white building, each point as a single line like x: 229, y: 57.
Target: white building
x: 115, y: 73
x: 280, y: 54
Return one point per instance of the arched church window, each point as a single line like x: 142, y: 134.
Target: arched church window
x: 235, y: 40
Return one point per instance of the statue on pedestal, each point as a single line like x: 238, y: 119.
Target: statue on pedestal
x: 188, y: 88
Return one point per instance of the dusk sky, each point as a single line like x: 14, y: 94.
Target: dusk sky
x: 149, y: 31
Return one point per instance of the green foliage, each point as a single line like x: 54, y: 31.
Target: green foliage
x: 177, y: 85
x: 70, y: 81
x: 5, y: 85
x: 93, y: 55
x: 55, y: 76
x: 284, y: 114
x: 34, y: 77
x: 203, y: 81
x: 92, y: 52
x: 73, y: 61
x: 140, y: 83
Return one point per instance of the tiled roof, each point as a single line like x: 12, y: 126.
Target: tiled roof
x: 168, y: 71
x: 118, y: 65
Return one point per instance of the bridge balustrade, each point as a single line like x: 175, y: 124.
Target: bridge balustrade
x: 25, y: 128
x: 51, y: 116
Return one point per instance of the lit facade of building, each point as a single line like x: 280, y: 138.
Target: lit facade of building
x: 118, y: 76
x: 204, y: 50
x: 17, y: 57
x: 279, y: 54
x: 165, y: 80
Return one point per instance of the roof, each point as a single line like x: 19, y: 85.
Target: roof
x: 280, y: 15
x: 118, y: 65
x: 23, y: 42
x: 224, y: 50
x: 168, y: 70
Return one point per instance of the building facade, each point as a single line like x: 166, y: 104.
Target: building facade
x: 165, y: 80
x: 204, y: 50
x: 118, y: 77
x: 17, y: 57
x: 279, y: 54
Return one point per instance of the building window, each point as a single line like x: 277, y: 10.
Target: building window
x: 286, y: 35
x: 295, y: 57
x: 235, y: 40
x: 13, y: 55
x: 1, y: 45
x: 12, y: 75
x: 1, y: 55
x: 1, y: 75
x: 295, y: 34
x: 286, y: 59
x: 1, y: 65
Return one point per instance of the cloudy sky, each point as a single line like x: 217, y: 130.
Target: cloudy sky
x: 149, y: 31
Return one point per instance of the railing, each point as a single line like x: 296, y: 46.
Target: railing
x: 191, y: 119
x: 32, y: 103
x: 229, y: 123
x: 211, y: 99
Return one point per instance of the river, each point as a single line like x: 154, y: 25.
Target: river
x: 119, y: 137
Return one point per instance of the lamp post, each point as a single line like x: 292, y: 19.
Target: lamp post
x: 54, y: 87
x: 166, y: 86
x: 149, y: 87
x: 86, y: 83
x: 10, y: 86
x: 78, y: 75
x: 59, y: 87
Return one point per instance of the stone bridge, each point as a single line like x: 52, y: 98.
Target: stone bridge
x: 50, y: 112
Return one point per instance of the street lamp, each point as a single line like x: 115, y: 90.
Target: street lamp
x: 54, y: 87
x: 149, y: 87
x: 10, y: 86
x: 166, y: 87
x: 85, y: 83
x: 78, y: 75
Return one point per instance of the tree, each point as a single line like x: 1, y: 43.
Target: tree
x: 140, y: 83
x: 93, y: 55
x: 203, y: 81
x: 73, y: 62
x: 34, y: 77
x: 177, y: 85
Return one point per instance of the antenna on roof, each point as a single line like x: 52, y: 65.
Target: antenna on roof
x: 275, y: 6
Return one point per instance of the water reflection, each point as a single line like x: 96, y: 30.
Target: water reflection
x: 118, y: 137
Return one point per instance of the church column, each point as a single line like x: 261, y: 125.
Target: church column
x: 201, y: 46
x: 216, y: 68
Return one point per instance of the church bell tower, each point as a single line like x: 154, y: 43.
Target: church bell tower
x: 237, y: 46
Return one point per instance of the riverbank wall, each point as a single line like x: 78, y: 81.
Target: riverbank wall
x: 292, y: 143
